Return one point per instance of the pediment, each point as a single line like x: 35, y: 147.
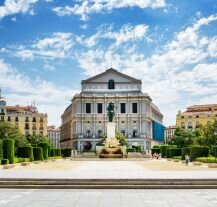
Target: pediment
x: 111, y: 74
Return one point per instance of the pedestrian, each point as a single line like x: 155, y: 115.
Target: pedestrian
x: 159, y: 156
x: 186, y: 159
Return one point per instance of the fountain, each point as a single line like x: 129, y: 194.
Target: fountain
x: 112, y: 147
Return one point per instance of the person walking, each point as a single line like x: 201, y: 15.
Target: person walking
x: 187, y: 159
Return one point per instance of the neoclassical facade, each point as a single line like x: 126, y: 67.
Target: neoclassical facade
x: 136, y: 116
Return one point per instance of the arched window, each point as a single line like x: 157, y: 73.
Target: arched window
x: 111, y: 84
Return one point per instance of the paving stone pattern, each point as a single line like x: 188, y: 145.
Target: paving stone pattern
x: 108, y: 198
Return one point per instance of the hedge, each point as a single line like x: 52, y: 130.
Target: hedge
x: 38, y: 153
x: 137, y: 148
x: 44, y: 146
x: 66, y: 152
x: 167, y: 150
x: 4, y: 161
x: 198, y: 151
x: 20, y: 159
x: 8, y: 150
x: 57, y: 152
x: 25, y: 152
x: 52, y: 152
x: 213, y: 151
x: 207, y: 159
x: 1, y: 150
x: 155, y: 150
x: 185, y: 150
x: 174, y: 152
x: 163, y: 150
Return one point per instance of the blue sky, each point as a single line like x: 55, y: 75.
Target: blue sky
x: 47, y: 47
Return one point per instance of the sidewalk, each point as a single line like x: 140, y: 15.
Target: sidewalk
x: 111, y: 169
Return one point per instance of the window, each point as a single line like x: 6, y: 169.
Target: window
x: 183, y: 124
x: 123, y: 108
x: 16, y: 119
x: 2, y: 118
x: 26, y: 133
x: 27, y: 119
x: 134, y: 108
x: 99, y: 133
x: 122, y: 122
x: 189, y: 117
x: 123, y: 132
x: 197, y: 124
x: 134, y: 122
x: 111, y: 84
x: 197, y: 116
x: 26, y: 126
x: 182, y: 117
x: 88, y: 108
x: 88, y: 133
x: 100, y: 122
x: 33, y: 119
x: 189, y: 124
x: 9, y: 118
x: 134, y: 133
x: 41, y: 119
x: 99, y: 108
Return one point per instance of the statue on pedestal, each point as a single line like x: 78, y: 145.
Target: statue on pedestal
x: 111, y: 112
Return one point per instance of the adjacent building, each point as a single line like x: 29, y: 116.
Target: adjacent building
x: 196, y: 115
x: 136, y: 116
x: 169, y: 133
x: 54, y: 135
x: 26, y: 118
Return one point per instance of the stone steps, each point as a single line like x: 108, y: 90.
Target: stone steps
x: 109, y: 183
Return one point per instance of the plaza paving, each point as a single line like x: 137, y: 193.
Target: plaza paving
x: 109, y: 169
x: 108, y: 198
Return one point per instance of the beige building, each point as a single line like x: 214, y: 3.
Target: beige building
x: 169, y: 133
x: 136, y: 117
x: 196, y: 115
x: 54, y: 135
x: 26, y: 118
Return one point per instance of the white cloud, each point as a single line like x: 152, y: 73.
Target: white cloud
x: 58, y: 45
x: 49, y: 97
x: 126, y: 34
x: 11, y: 7
x: 87, y: 7
x: 178, y: 74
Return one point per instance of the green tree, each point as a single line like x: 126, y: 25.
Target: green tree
x: 121, y: 138
x: 182, y: 138
x: 37, y: 138
x: 8, y: 130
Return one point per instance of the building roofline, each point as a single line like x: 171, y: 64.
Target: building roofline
x: 109, y: 71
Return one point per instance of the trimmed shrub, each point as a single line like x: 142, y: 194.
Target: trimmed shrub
x: 174, y: 152
x: 25, y: 152
x: 155, y: 150
x: 1, y: 150
x: 44, y: 146
x: 4, y: 161
x: 49, y: 147
x: 38, y: 153
x: 8, y: 150
x: 66, y: 152
x: 198, y: 151
x: 52, y: 152
x: 19, y: 159
x: 137, y: 148
x: 167, y: 149
x: 213, y: 151
x: 163, y: 150
x: 207, y: 159
x: 57, y: 152
x: 131, y: 150
x: 185, y: 150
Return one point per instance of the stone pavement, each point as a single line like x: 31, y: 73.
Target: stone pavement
x: 107, y: 169
x: 108, y: 198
